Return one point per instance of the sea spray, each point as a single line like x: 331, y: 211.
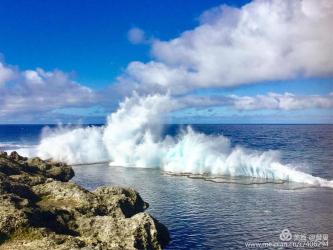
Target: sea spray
x: 132, y: 133
x: 131, y: 137
x: 73, y: 145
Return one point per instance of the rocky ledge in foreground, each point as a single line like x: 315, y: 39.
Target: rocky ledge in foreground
x: 41, y: 209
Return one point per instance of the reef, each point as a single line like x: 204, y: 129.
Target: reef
x: 40, y: 208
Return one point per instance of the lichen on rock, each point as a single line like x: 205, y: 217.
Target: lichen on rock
x: 41, y: 209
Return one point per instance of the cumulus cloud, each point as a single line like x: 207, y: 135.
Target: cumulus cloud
x: 35, y: 91
x: 261, y: 41
x: 136, y: 35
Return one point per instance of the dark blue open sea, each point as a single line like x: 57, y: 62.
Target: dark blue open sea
x: 201, y: 214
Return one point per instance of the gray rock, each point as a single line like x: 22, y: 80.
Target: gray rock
x: 128, y: 200
x: 41, y: 209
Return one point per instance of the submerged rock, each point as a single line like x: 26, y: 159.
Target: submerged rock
x: 41, y: 209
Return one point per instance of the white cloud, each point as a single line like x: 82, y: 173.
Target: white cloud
x: 261, y: 41
x: 269, y: 101
x: 136, y: 35
x: 152, y: 77
x: 286, y: 101
x: 6, y: 74
x: 36, y: 91
x: 264, y: 40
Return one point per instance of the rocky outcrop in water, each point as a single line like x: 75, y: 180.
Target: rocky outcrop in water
x: 41, y: 209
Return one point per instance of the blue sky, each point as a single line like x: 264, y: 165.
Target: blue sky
x: 75, y: 35
x: 81, y: 54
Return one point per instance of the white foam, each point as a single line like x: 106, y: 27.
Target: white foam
x: 131, y: 137
x: 77, y: 145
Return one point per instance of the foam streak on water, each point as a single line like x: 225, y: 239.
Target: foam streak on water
x: 131, y: 137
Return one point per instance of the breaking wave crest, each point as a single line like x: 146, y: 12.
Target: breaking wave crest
x: 131, y: 137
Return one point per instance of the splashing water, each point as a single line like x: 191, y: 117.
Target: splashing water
x: 131, y: 137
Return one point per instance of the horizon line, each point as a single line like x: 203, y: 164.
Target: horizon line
x: 86, y: 124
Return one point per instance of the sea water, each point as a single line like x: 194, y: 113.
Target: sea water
x: 202, y: 214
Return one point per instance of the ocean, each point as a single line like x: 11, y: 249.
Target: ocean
x: 208, y: 211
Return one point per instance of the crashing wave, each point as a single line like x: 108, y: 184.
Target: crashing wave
x: 131, y: 137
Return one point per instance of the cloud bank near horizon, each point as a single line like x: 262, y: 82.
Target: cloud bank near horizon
x: 34, y: 92
x: 270, y: 101
x: 38, y: 91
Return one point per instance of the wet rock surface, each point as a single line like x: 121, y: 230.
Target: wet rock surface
x: 41, y: 209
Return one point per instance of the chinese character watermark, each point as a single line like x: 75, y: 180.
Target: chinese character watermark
x: 293, y: 240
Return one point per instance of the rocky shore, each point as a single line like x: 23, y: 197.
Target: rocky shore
x: 40, y: 208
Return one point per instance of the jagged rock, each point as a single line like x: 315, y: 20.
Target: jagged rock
x: 41, y: 209
x: 33, y: 171
x: 128, y: 200
x: 140, y: 231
